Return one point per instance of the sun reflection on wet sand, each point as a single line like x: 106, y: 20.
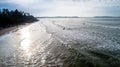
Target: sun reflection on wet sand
x: 33, y: 44
x: 26, y: 42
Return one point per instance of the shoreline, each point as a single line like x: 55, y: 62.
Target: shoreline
x: 7, y: 30
x: 14, y: 28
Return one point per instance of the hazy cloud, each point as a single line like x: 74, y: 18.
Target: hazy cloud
x: 67, y: 7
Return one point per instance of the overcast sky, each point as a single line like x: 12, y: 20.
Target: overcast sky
x: 84, y: 8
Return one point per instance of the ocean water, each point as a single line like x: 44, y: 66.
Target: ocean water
x: 63, y: 42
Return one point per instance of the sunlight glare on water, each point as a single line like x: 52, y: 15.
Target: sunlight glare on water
x: 62, y: 42
x: 29, y: 43
x: 25, y: 43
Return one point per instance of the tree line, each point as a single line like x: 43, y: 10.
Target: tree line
x: 14, y: 17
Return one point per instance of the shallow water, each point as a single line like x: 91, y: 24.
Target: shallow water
x: 63, y: 42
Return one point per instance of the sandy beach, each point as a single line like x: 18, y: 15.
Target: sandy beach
x: 62, y: 42
x: 14, y: 28
x: 7, y: 30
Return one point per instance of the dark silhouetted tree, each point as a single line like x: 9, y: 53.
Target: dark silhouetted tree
x: 14, y: 17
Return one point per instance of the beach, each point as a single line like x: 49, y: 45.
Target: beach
x: 64, y: 42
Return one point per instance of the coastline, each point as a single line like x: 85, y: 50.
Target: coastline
x: 7, y: 30
x: 14, y: 28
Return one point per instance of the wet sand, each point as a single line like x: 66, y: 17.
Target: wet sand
x: 13, y: 29
x: 63, y: 43
x: 7, y: 30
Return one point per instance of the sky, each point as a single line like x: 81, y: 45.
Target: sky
x: 82, y: 8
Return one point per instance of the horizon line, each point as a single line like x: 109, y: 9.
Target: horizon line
x: 78, y: 16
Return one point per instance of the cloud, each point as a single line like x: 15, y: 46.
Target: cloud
x: 67, y: 7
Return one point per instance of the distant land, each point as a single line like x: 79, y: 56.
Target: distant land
x: 78, y: 17
x: 59, y: 17
x: 106, y: 17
